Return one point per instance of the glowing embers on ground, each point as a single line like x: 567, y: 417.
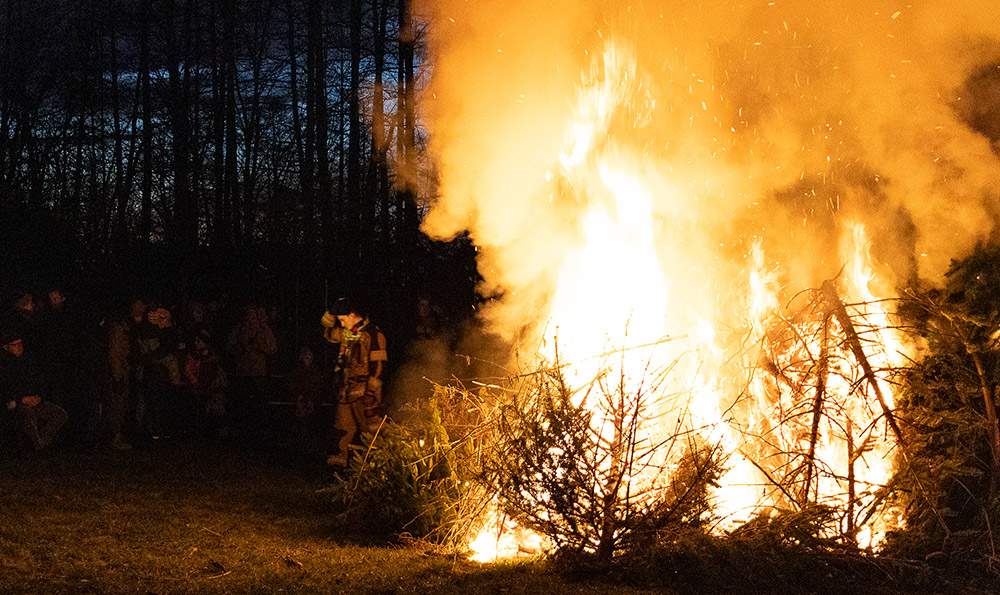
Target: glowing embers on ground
x: 503, y: 538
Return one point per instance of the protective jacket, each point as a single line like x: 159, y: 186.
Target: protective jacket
x: 361, y: 356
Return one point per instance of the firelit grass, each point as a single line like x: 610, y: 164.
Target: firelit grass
x: 190, y: 517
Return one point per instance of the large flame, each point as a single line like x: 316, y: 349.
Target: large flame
x: 658, y: 183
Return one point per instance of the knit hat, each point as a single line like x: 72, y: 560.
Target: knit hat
x: 344, y: 306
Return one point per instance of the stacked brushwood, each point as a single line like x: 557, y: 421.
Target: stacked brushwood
x: 949, y: 483
x: 565, y: 465
x: 410, y: 478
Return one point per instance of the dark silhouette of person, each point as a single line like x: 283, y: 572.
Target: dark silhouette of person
x: 22, y: 386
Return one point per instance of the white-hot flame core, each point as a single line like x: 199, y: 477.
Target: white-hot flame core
x: 615, y: 278
x: 502, y: 538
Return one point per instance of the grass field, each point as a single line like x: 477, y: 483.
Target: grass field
x: 192, y: 517
x: 188, y: 517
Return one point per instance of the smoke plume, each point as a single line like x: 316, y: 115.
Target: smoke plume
x: 751, y: 121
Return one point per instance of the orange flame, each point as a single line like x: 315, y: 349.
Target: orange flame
x: 632, y: 281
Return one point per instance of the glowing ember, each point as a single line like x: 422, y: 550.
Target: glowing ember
x: 502, y: 538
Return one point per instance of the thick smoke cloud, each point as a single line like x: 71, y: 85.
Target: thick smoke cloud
x: 771, y: 120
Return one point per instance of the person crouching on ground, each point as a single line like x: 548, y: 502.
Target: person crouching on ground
x: 361, y: 356
x: 22, y: 386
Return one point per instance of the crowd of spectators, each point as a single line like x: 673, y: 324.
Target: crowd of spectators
x: 147, y: 371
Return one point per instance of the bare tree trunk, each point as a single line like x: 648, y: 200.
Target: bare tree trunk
x: 354, y: 202
x: 851, y: 489
x: 124, y: 175
x: 378, y: 181
x: 305, y: 192
x: 407, y: 224
x: 317, y: 127
x: 7, y: 92
x: 120, y: 226
x: 307, y: 166
x: 146, y: 200
x: 989, y: 402
x: 78, y: 174
x: 380, y: 15
x: 220, y: 227
x: 176, y: 222
x: 118, y: 150
x: 182, y: 222
x: 195, y: 66
x: 614, y: 477
x: 340, y: 133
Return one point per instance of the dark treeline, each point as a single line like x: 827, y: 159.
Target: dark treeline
x: 264, y: 145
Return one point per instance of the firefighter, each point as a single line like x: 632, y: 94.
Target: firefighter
x: 361, y: 356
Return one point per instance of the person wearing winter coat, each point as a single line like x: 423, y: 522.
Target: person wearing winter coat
x: 207, y: 383
x: 22, y: 387
x: 159, y: 346
x: 362, y: 355
x: 251, y: 343
x: 304, y: 388
x: 117, y: 334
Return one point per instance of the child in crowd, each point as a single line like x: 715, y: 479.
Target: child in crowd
x: 207, y: 381
x: 304, y: 386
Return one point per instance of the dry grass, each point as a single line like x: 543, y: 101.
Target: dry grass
x: 187, y: 517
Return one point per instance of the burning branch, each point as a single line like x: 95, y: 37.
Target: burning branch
x: 821, y: 374
x: 854, y: 342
